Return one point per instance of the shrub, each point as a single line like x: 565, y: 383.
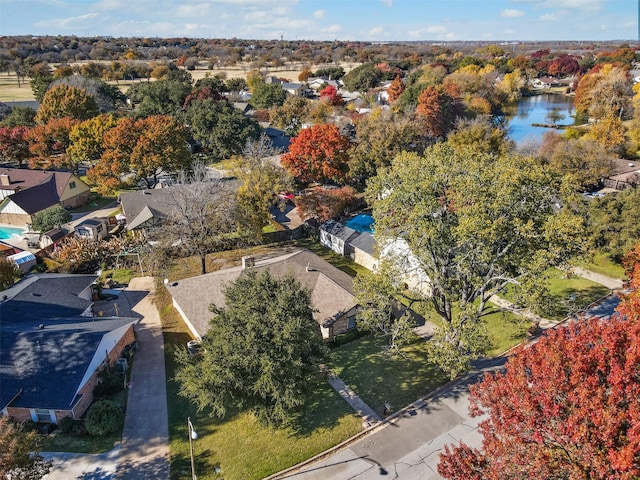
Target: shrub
x: 110, y: 382
x: 104, y: 417
x: 66, y: 424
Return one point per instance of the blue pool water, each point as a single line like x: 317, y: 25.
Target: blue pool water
x: 363, y: 222
x: 8, y: 232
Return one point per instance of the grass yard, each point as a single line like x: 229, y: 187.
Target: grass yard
x: 506, y: 329
x: 566, y: 294
x: 603, y: 264
x: 338, y: 261
x: 365, y: 365
x: 57, y: 442
x: 240, y: 446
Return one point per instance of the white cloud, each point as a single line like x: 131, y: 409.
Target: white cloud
x: 319, y: 14
x: 511, y: 13
x: 434, y: 31
x: 335, y: 28
x: 586, y: 5
x: 67, y: 23
x: 388, y: 3
x: 552, y: 16
x: 376, y: 31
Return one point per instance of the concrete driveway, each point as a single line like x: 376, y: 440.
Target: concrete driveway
x: 144, y: 452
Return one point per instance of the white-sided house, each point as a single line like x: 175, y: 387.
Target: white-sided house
x: 414, y: 276
x: 23, y: 193
x: 337, y: 237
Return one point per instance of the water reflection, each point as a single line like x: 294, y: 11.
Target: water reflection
x: 521, y: 116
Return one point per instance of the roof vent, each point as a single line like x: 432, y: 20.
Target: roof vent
x: 41, y: 326
x: 146, y: 192
x: 631, y: 164
x: 309, y: 268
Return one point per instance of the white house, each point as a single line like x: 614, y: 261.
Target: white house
x: 337, y: 237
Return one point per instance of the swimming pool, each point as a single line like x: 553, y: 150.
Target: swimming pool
x: 363, y: 222
x: 8, y: 232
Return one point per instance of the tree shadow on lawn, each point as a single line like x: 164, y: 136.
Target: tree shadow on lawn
x: 381, y: 379
x: 323, y: 408
x: 569, y: 300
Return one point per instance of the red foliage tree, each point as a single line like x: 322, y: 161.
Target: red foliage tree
x: 324, y: 204
x: 565, y: 407
x: 330, y: 94
x: 630, y: 306
x: 14, y: 146
x: 318, y: 153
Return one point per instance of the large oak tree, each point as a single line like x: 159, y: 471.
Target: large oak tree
x: 474, y: 223
x: 262, y: 350
x: 144, y: 148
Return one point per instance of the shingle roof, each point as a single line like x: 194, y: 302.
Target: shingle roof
x: 45, y: 296
x: 39, y: 197
x: 24, y: 178
x: 331, y: 289
x: 365, y: 242
x: 339, y: 230
x: 46, y: 365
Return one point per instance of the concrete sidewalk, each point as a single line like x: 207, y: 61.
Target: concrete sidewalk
x: 612, y: 283
x: 144, y: 453
x: 369, y: 417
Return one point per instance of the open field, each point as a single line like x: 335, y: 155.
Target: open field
x: 10, y: 91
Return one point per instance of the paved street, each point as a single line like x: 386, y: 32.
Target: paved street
x: 408, y: 448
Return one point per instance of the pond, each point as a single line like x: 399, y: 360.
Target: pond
x: 521, y: 116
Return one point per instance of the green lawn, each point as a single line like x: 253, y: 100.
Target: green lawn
x: 57, y: 442
x: 365, y: 365
x: 506, y: 329
x: 603, y: 264
x: 95, y: 204
x: 238, y: 444
x: 339, y: 261
x: 566, y: 294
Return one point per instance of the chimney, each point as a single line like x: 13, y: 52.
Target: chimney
x: 248, y: 262
x: 5, y: 181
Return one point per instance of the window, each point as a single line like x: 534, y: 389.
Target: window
x: 99, y: 228
x: 351, y: 322
x: 42, y: 415
x: 72, y: 185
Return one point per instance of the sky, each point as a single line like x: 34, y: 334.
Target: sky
x: 366, y: 20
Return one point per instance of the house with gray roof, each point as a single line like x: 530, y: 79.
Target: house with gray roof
x: 331, y: 291
x: 23, y: 193
x: 52, y: 346
x: 363, y: 251
x: 337, y: 237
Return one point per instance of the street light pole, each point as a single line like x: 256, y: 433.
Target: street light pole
x: 192, y: 436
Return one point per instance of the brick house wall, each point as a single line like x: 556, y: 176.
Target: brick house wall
x: 77, y: 411
x: 341, y: 325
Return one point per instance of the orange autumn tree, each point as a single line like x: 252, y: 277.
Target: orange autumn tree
x: 48, y: 144
x: 395, y: 89
x: 565, y: 407
x: 318, y: 154
x: 438, y: 107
